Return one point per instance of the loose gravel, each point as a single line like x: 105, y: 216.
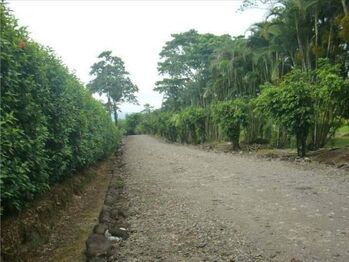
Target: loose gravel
x: 187, y: 204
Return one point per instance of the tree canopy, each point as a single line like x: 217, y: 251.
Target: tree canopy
x: 113, y: 81
x: 285, y: 81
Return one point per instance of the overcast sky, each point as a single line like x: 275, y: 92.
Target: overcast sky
x: 134, y: 30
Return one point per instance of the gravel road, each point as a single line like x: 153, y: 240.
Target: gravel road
x: 187, y: 204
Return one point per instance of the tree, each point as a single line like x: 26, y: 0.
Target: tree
x: 231, y: 116
x: 291, y: 105
x: 185, y: 66
x: 147, y: 108
x: 112, y: 80
x: 331, y: 102
x: 203, y: 69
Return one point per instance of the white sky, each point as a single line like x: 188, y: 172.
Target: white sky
x: 134, y: 30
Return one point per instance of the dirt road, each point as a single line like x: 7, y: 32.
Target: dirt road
x: 192, y: 205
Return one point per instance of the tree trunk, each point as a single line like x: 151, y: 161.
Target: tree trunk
x: 115, y: 115
x: 109, y: 106
x: 329, y: 41
x: 236, y: 145
x: 345, y: 8
x: 303, y: 145
x: 236, y: 138
x: 316, y: 35
x: 298, y: 145
x: 300, y: 45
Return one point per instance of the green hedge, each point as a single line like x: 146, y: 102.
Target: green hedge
x: 50, y: 124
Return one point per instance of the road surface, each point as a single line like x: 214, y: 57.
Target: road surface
x: 187, y: 204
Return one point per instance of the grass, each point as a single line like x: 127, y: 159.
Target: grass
x: 338, y: 142
x: 341, y: 138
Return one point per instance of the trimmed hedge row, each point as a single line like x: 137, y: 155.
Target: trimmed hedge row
x: 50, y: 124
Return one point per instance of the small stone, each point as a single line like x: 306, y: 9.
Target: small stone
x: 117, y: 232
x: 342, y: 165
x: 109, y: 200
x: 307, y: 160
x: 201, y: 245
x: 117, y: 213
x: 100, y: 229
x: 122, y: 213
x: 104, y: 216
x: 97, y: 245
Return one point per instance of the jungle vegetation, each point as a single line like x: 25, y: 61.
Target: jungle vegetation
x: 285, y: 82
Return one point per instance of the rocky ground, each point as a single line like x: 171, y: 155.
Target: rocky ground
x: 191, y: 205
x: 112, y: 229
x: 170, y: 202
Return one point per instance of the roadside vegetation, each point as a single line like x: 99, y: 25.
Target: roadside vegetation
x: 51, y: 126
x: 285, y: 83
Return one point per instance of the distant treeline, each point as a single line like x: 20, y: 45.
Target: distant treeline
x: 285, y: 83
x: 50, y: 124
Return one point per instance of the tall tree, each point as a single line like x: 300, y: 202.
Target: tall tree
x: 184, y: 65
x: 113, y: 81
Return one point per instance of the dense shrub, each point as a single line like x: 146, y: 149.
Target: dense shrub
x: 231, y: 116
x: 132, y: 121
x: 291, y: 105
x: 159, y: 123
x: 331, y: 102
x: 148, y: 124
x: 50, y: 124
x: 255, y: 125
x: 166, y: 125
x: 190, y: 124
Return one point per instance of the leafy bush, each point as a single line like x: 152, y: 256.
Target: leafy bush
x: 291, y: 105
x: 255, y: 125
x: 331, y: 102
x: 131, y: 123
x: 50, y: 124
x: 166, y: 123
x: 148, y: 124
x: 191, y: 125
x: 231, y: 116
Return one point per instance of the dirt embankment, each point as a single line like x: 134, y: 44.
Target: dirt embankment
x: 336, y: 157
x: 55, y: 226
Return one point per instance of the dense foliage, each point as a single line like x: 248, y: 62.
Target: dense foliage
x: 131, y: 123
x: 285, y: 83
x: 231, y: 116
x: 291, y: 105
x: 190, y: 125
x: 50, y: 124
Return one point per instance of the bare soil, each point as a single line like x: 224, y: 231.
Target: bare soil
x: 192, y: 205
x: 338, y: 157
